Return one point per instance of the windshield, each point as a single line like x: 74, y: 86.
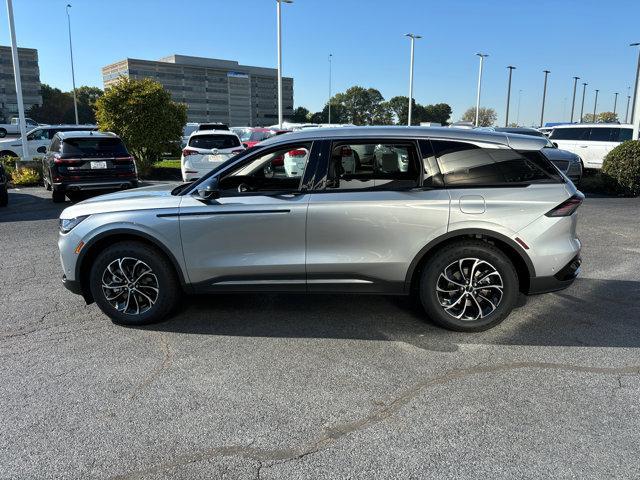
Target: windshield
x: 259, y: 136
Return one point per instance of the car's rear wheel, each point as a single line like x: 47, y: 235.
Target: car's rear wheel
x: 4, y: 196
x: 469, y: 286
x: 134, y: 284
x: 58, y: 196
x: 3, y: 133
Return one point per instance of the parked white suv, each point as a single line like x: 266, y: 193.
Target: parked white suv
x: 591, y: 142
x: 205, y: 150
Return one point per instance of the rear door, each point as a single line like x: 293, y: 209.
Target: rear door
x: 569, y: 139
x: 601, y: 141
x: 365, y: 225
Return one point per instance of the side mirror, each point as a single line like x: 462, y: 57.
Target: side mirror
x: 41, y: 149
x: 210, y: 191
x: 555, y: 144
x: 245, y: 145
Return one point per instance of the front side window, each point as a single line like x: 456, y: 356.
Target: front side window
x: 40, y: 134
x: 209, y: 142
x: 373, y: 165
x: 577, y: 133
x: 278, y: 170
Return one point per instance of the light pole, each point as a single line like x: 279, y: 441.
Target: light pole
x: 506, y: 120
x: 73, y: 75
x: 595, y: 105
x: 584, y: 90
x: 573, y: 101
x: 16, y: 74
x: 482, y: 57
x: 518, y: 112
x: 279, y: 24
x: 635, y: 89
x: 330, y: 55
x: 544, y: 96
x: 413, y: 38
x: 626, y: 115
x: 615, y: 103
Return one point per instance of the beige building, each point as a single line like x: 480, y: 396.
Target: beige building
x: 29, y: 75
x: 213, y: 90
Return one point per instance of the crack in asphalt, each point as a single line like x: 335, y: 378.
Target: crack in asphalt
x: 165, y: 363
x: 334, y: 434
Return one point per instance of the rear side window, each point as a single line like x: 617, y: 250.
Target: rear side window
x: 625, y: 134
x: 94, y: 146
x: 214, y: 141
x: 467, y: 165
x: 578, y: 133
x: 604, y: 134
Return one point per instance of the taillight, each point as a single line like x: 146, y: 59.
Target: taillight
x: 120, y: 160
x: 67, y: 161
x: 567, y: 207
x: 186, y: 152
x: 297, y: 153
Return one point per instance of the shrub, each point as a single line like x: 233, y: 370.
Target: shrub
x: 9, y: 164
x: 25, y: 177
x: 622, y: 165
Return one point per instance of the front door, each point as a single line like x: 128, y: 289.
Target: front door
x: 253, y: 236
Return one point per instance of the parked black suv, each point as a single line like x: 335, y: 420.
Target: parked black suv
x: 4, y: 195
x: 82, y: 161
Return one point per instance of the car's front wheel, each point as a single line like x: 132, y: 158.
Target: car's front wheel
x: 134, y: 284
x: 469, y: 286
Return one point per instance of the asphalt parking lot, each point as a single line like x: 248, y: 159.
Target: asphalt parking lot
x: 326, y: 386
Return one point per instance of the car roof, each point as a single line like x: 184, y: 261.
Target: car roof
x: 519, y: 142
x: 86, y: 126
x: 199, y: 133
x: 529, y: 131
x: 85, y: 133
x: 594, y: 125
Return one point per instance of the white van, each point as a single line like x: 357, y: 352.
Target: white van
x: 591, y: 142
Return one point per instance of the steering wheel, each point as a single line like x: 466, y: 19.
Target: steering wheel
x: 244, y: 187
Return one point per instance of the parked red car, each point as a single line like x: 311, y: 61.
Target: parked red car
x: 253, y: 136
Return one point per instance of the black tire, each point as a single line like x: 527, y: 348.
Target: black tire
x: 58, y: 196
x: 485, y: 310
x: 161, y: 268
x: 4, y: 197
x: 3, y: 133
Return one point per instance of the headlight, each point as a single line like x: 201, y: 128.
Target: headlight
x: 68, y: 224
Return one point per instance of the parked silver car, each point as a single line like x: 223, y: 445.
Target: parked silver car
x: 474, y: 219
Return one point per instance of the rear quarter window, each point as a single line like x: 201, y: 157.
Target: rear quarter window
x: 214, y: 141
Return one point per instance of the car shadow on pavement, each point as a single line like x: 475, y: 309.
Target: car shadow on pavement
x: 590, y: 313
x: 24, y: 207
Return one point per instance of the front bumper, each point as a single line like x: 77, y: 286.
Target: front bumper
x: 559, y: 281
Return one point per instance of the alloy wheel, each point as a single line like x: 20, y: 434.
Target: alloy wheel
x: 469, y: 289
x: 130, y: 286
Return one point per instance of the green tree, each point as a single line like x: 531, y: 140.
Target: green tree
x: 142, y: 113
x: 602, y: 117
x: 54, y: 108
x: 486, y: 117
x: 399, y: 106
x: 87, y: 97
x: 300, y: 115
x: 362, y: 106
x: 439, y: 113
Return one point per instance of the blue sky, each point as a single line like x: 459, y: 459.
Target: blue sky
x: 587, y: 38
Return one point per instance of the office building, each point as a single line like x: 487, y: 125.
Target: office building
x: 213, y: 90
x: 29, y: 75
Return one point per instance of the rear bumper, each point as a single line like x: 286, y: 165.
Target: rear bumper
x: 559, y: 281
x: 82, y: 185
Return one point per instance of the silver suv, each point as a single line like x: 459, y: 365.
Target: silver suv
x: 463, y: 219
